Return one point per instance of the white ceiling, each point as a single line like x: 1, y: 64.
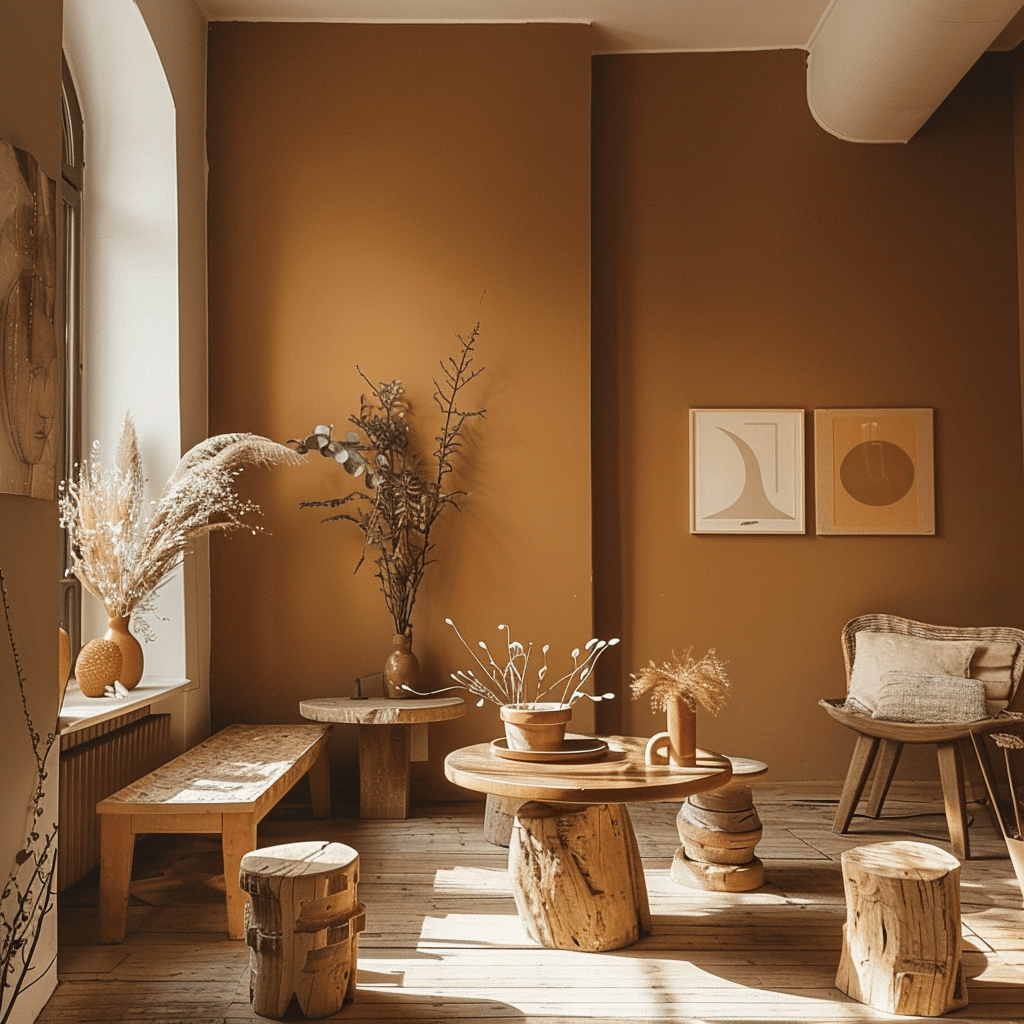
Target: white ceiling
x: 620, y: 26
x: 876, y: 69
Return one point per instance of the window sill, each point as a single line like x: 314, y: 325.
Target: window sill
x: 80, y: 712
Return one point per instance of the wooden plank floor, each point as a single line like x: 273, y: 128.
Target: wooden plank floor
x: 443, y: 941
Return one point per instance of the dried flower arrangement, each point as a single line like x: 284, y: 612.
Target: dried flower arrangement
x: 121, y: 552
x: 1006, y: 742
x: 510, y: 683
x: 30, y: 892
x: 404, y: 497
x: 700, y: 681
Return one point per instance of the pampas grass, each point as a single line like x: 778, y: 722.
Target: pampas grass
x: 696, y: 681
x: 121, y: 551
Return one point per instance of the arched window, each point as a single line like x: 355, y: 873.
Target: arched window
x: 73, y: 165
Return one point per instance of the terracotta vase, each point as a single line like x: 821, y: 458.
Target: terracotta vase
x: 63, y: 664
x: 401, y: 669
x: 677, y: 746
x: 131, y: 650
x: 535, y: 726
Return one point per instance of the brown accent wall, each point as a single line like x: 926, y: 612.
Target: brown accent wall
x: 745, y: 258
x: 374, y: 190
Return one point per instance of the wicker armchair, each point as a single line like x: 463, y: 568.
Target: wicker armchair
x: 880, y: 742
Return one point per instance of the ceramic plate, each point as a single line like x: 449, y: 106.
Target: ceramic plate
x: 577, y: 748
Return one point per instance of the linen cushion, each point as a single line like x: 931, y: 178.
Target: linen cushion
x: 877, y: 653
x: 919, y: 697
x: 993, y: 665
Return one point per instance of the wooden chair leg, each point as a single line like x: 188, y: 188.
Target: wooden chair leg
x: 856, y: 776
x: 951, y: 772
x: 887, y: 759
x: 117, y: 848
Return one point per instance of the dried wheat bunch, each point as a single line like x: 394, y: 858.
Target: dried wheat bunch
x: 702, y: 682
x: 122, y: 551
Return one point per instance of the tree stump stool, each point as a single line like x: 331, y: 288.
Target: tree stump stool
x: 576, y: 876
x: 302, y: 926
x: 901, y: 941
x: 719, y: 830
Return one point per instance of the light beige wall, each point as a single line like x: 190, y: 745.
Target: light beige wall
x: 179, y: 33
x: 30, y: 119
x: 374, y: 190
x: 744, y: 258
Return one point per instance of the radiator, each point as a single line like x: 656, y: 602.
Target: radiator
x: 94, y: 763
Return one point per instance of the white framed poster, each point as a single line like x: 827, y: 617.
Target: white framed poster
x: 747, y: 471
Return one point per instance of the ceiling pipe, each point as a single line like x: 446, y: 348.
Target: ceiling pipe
x: 878, y: 69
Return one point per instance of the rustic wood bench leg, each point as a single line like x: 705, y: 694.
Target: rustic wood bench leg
x: 238, y: 839
x: 577, y: 878
x: 320, y: 785
x: 384, y: 772
x: 117, y: 847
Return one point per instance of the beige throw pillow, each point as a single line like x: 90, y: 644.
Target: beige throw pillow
x: 878, y: 653
x: 993, y: 665
x: 918, y: 697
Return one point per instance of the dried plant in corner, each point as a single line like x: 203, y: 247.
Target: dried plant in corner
x: 700, y: 681
x: 123, y: 551
x: 511, y: 684
x: 406, y: 494
x: 30, y: 892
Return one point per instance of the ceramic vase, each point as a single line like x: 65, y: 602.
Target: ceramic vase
x: 535, y: 726
x: 1016, y: 851
x: 677, y: 746
x: 401, y: 669
x: 131, y: 650
x: 63, y: 665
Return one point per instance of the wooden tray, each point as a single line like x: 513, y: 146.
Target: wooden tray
x: 578, y: 748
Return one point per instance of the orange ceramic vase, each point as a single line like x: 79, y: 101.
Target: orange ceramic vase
x: 131, y: 650
x: 402, y: 668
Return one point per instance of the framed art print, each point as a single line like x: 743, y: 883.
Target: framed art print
x: 746, y: 471
x: 874, y: 471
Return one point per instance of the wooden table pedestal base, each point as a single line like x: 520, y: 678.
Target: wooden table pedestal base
x: 576, y: 876
x: 302, y: 926
x: 901, y: 942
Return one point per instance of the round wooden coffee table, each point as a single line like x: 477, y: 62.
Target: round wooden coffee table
x: 385, y: 742
x: 573, y: 858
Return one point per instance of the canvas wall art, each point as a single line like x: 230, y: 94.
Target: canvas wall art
x: 874, y: 471
x: 746, y: 471
x: 31, y: 413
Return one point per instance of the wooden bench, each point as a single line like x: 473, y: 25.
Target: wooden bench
x: 225, y: 785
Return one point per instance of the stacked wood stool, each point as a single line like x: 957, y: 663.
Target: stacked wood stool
x: 302, y: 926
x: 719, y: 830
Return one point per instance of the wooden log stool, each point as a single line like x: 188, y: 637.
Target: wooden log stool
x: 719, y: 830
x: 576, y: 876
x: 302, y: 926
x: 901, y: 941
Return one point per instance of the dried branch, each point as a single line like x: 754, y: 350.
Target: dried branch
x: 30, y: 890
x: 404, y: 498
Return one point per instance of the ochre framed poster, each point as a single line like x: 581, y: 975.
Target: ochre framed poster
x: 747, y: 471
x: 874, y: 471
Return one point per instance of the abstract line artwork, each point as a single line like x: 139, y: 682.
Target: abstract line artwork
x: 30, y: 355
x: 746, y: 471
x: 874, y: 471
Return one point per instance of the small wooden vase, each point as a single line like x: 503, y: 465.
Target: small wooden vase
x: 535, y: 726
x: 401, y: 669
x: 678, y: 746
x: 131, y: 650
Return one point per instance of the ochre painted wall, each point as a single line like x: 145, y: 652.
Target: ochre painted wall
x: 374, y: 190
x: 745, y: 258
